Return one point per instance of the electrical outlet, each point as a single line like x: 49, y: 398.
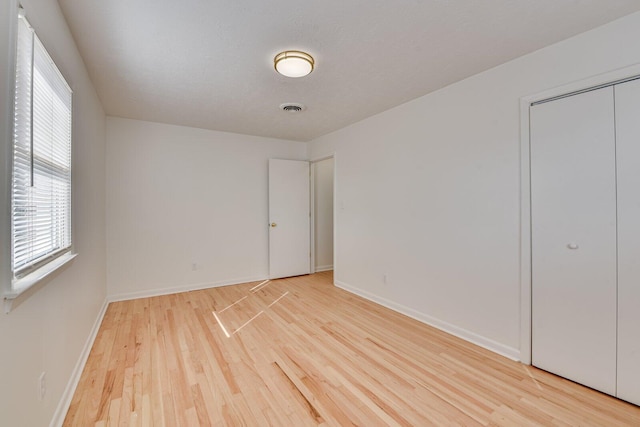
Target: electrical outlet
x: 42, y: 385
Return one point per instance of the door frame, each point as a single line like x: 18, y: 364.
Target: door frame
x: 312, y: 201
x: 605, y: 79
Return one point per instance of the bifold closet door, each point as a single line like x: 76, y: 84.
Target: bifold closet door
x: 573, y: 238
x: 628, y: 160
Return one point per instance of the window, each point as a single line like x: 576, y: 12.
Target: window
x: 41, y: 174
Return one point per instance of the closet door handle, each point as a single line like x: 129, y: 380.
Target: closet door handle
x: 573, y: 246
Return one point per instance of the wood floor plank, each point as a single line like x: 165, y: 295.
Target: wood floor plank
x: 301, y: 352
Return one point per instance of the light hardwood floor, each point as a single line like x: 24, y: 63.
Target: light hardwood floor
x: 301, y: 352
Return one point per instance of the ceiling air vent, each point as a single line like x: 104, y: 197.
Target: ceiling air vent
x: 292, y: 107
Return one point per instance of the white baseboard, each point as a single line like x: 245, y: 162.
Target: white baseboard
x: 184, y: 288
x: 496, y: 347
x: 67, y: 395
x: 320, y: 268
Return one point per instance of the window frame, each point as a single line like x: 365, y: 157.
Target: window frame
x: 57, y: 173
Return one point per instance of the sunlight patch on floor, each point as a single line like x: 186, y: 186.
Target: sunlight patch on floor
x: 252, y: 302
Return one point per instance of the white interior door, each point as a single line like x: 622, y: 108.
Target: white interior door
x: 289, y: 228
x: 628, y: 160
x: 573, y: 238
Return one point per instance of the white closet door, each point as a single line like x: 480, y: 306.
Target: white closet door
x: 628, y: 159
x: 573, y: 237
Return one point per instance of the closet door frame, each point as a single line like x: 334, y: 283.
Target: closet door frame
x: 525, y: 187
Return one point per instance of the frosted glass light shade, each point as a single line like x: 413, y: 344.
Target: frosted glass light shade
x: 293, y: 63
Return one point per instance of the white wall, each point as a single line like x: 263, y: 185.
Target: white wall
x: 49, y: 327
x: 428, y: 192
x: 323, y: 214
x: 178, y: 196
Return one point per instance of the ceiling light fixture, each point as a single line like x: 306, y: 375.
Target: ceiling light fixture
x: 293, y: 63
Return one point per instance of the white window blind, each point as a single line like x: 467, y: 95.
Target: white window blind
x: 41, y: 180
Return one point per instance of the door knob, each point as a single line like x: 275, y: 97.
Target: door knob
x: 572, y: 246
x: 273, y: 224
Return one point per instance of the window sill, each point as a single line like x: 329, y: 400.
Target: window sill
x: 21, y: 285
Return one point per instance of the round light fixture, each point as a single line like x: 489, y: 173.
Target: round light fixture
x: 293, y: 63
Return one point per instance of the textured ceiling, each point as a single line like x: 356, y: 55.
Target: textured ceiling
x: 209, y: 63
